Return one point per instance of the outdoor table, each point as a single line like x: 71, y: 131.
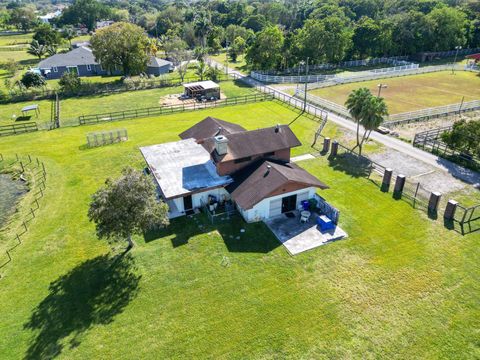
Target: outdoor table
x: 28, y: 108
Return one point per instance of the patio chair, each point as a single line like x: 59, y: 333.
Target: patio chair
x: 304, y: 217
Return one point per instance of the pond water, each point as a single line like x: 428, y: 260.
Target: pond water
x: 10, y: 192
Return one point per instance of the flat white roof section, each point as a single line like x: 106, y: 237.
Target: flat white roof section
x: 182, y: 167
x: 205, y: 85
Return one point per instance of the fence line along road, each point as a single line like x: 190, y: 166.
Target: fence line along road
x: 324, y: 104
x: 430, y: 113
x: 397, y: 72
x: 403, y: 66
x: 395, y: 61
x: 395, y: 119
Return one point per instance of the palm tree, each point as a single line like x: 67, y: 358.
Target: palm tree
x: 51, y: 50
x: 202, y: 70
x: 36, y: 49
x: 367, y: 110
x: 354, y: 104
x: 69, y: 33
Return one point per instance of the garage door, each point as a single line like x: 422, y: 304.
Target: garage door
x: 302, y: 196
x: 275, y: 207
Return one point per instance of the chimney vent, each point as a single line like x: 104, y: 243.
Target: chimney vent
x: 277, y: 128
x: 221, y: 144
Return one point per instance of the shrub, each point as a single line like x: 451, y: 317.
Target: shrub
x: 70, y: 82
x: 32, y: 79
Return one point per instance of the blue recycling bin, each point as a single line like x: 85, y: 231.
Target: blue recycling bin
x: 306, y: 205
x: 325, y: 223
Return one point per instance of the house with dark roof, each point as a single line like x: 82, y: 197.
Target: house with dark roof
x: 219, y: 160
x: 82, y: 62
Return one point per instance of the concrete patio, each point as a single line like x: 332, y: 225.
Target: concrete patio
x: 298, y: 237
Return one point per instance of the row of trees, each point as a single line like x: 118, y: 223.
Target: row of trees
x: 324, y: 30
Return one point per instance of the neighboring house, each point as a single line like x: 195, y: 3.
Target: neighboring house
x: 47, y: 18
x: 103, y: 24
x: 221, y: 160
x: 81, y: 61
x: 157, y: 66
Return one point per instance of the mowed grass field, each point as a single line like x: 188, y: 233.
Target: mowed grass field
x: 400, y: 287
x: 409, y: 93
x: 72, y: 108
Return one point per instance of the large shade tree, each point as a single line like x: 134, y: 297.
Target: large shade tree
x: 86, y: 12
x: 367, y: 111
x: 121, y: 45
x: 266, y: 51
x: 127, y: 206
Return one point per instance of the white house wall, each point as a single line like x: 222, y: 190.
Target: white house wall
x: 261, y: 210
x: 199, y: 199
x: 177, y: 208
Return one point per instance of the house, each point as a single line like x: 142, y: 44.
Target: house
x: 79, y: 60
x: 48, y: 18
x: 82, y: 61
x: 219, y: 160
x: 102, y: 24
x: 157, y: 66
x: 207, y: 89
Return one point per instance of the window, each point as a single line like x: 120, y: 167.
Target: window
x: 89, y: 68
x: 271, y: 153
x: 241, y: 160
x: 55, y: 69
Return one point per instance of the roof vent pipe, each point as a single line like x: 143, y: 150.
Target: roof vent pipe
x: 277, y: 128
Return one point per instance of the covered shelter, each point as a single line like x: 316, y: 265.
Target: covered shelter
x: 207, y: 89
x: 475, y: 57
x: 28, y: 108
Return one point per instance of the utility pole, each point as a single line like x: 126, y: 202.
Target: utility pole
x: 455, y: 60
x: 306, y: 82
x: 226, y: 59
x: 380, y: 87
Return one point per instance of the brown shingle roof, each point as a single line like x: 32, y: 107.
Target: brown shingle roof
x: 255, y: 142
x: 209, y: 127
x: 256, y: 182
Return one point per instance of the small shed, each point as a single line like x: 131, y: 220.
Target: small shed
x: 208, y: 89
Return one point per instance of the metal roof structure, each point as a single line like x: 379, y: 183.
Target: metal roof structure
x: 201, y: 85
x: 182, y: 167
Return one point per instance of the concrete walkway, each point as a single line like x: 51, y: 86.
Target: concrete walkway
x: 302, y: 157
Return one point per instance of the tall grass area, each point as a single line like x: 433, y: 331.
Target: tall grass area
x: 400, y: 286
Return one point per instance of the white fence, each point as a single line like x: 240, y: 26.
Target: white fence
x: 324, y: 104
x: 398, y: 71
x: 333, y: 79
x: 395, y: 119
x: 429, y: 113
x: 395, y: 61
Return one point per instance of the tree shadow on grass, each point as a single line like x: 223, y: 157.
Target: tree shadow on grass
x: 92, y: 293
x: 350, y: 164
x: 257, y: 238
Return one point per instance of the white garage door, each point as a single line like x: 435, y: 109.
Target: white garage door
x: 275, y: 207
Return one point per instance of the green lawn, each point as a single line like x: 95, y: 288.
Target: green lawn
x: 240, y: 64
x: 73, y: 107
x: 400, y: 287
x: 414, y: 92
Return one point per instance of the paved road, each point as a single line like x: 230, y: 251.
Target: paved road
x: 459, y: 172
